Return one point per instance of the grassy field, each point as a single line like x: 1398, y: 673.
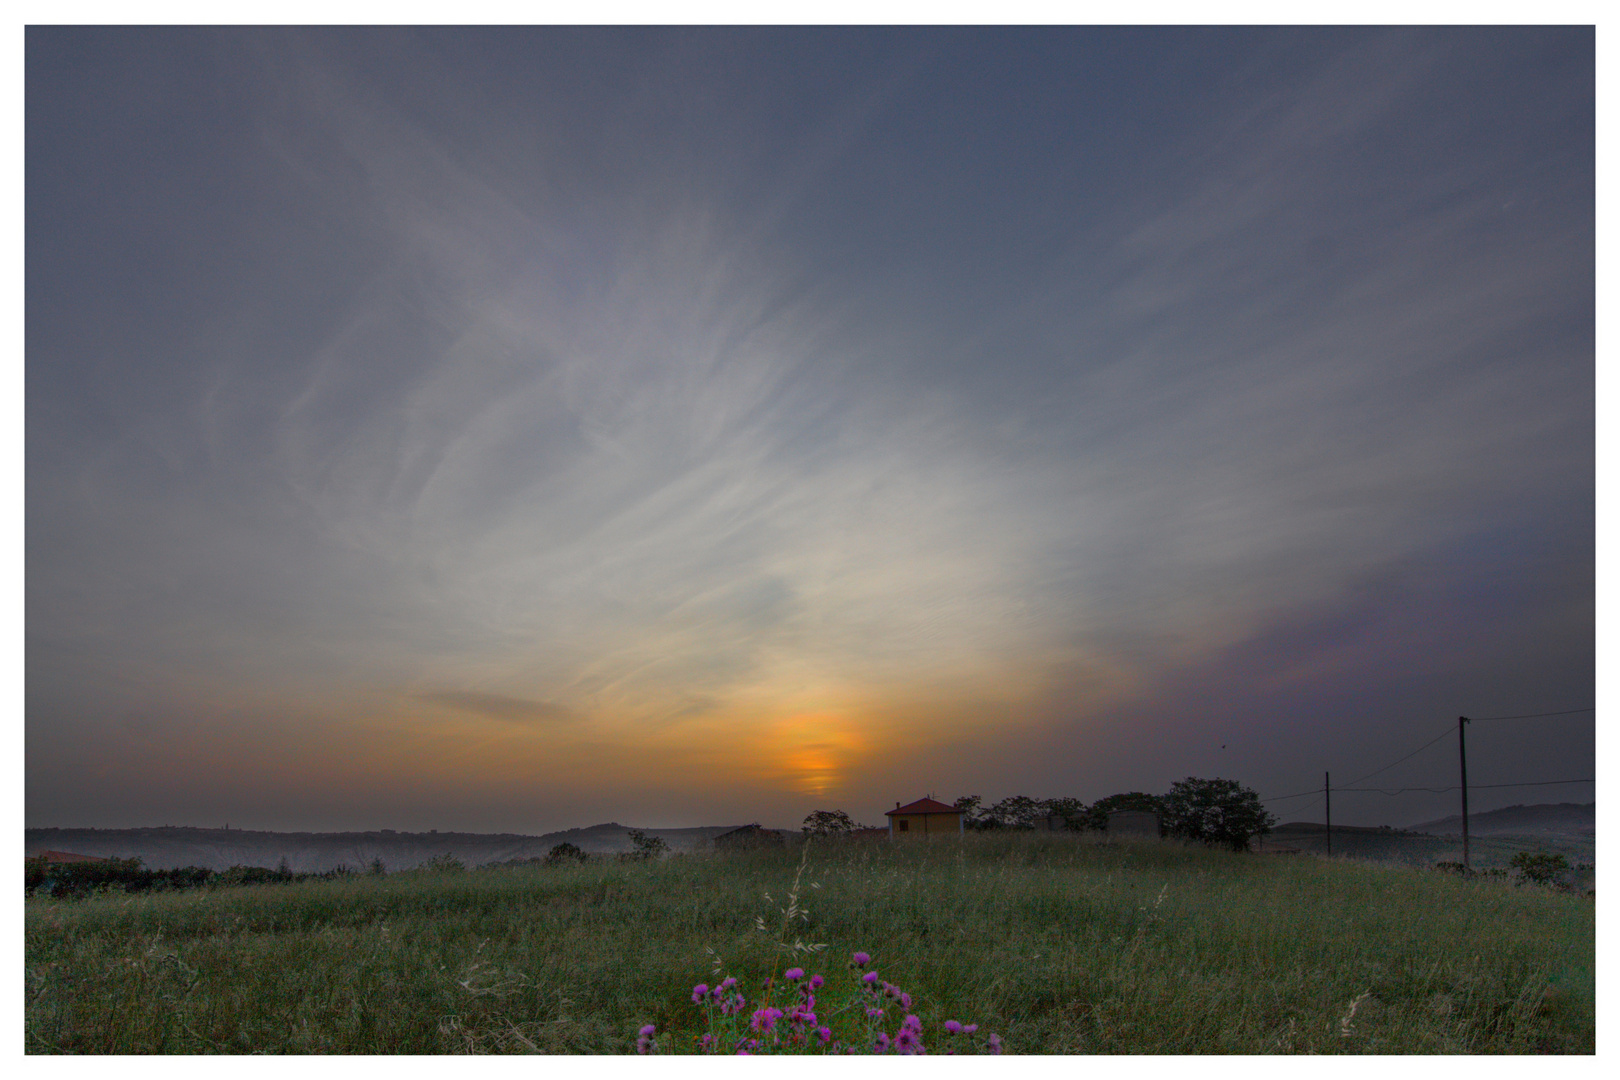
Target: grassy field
x: 1058, y: 944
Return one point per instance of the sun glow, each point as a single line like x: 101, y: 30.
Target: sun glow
x: 813, y: 753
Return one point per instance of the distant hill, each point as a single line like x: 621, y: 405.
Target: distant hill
x: 1507, y: 832
x: 219, y: 849
x: 1549, y: 819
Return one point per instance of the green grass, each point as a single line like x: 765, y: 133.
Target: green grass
x: 1061, y: 945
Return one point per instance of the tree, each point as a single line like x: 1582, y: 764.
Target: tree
x: 647, y: 847
x: 1071, y: 811
x: 1097, y: 816
x: 972, y: 816
x: 1540, y: 868
x: 829, y: 823
x: 444, y: 864
x: 1215, y: 812
x: 564, y: 853
x: 1015, y: 812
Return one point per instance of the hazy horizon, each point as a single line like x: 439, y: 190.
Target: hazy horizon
x: 506, y: 430
x: 793, y: 826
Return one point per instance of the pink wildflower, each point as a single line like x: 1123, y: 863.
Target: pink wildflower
x: 953, y: 1026
x: 824, y: 1034
x: 881, y: 1046
x: 905, y: 1000
x: 793, y: 974
x: 862, y: 959
x: 870, y: 978
x: 968, y: 1029
x: 995, y: 1043
x: 699, y: 992
x: 816, y: 982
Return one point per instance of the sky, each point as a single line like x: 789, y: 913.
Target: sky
x: 517, y: 429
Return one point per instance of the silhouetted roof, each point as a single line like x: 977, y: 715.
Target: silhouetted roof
x: 923, y: 806
x: 748, y: 834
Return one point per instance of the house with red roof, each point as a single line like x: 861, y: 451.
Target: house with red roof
x: 925, y: 817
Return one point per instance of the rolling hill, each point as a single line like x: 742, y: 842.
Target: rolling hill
x: 220, y: 849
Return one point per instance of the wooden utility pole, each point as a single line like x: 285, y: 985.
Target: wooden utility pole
x: 1327, y: 791
x: 1462, y: 758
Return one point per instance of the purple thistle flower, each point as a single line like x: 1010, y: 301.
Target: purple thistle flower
x: 824, y: 1034
x: 953, y: 1026
x: 882, y: 1044
x: 647, y: 1032
x: 905, y: 1041
x: 699, y: 992
x: 873, y: 1014
x: 862, y: 959
x: 731, y: 980
x: 793, y: 974
x: 968, y: 1029
x: 870, y: 978
x: 905, y: 1000
x: 995, y: 1043
x: 816, y: 982
x: 765, y: 1019
x: 911, y: 1023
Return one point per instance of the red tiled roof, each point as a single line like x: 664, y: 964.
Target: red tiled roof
x: 67, y: 856
x: 922, y: 806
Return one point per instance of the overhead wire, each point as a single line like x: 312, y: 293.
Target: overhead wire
x: 1471, y: 787
x: 1396, y: 762
x: 1351, y: 786
x: 1300, y: 795
x: 1531, y: 716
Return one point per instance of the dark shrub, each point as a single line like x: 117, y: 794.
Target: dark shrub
x: 565, y: 853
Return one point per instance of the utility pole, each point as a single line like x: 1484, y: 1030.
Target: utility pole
x: 1327, y: 791
x: 1462, y: 758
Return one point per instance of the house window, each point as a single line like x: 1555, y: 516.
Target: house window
x: 904, y: 824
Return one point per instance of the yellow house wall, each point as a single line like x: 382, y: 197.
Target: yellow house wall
x: 927, y: 824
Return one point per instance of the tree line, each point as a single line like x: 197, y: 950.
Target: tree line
x: 1221, y: 813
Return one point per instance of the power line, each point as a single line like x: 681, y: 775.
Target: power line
x: 1530, y: 716
x: 1300, y: 795
x: 1413, y: 754
x: 1351, y: 786
x: 1443, y: 790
